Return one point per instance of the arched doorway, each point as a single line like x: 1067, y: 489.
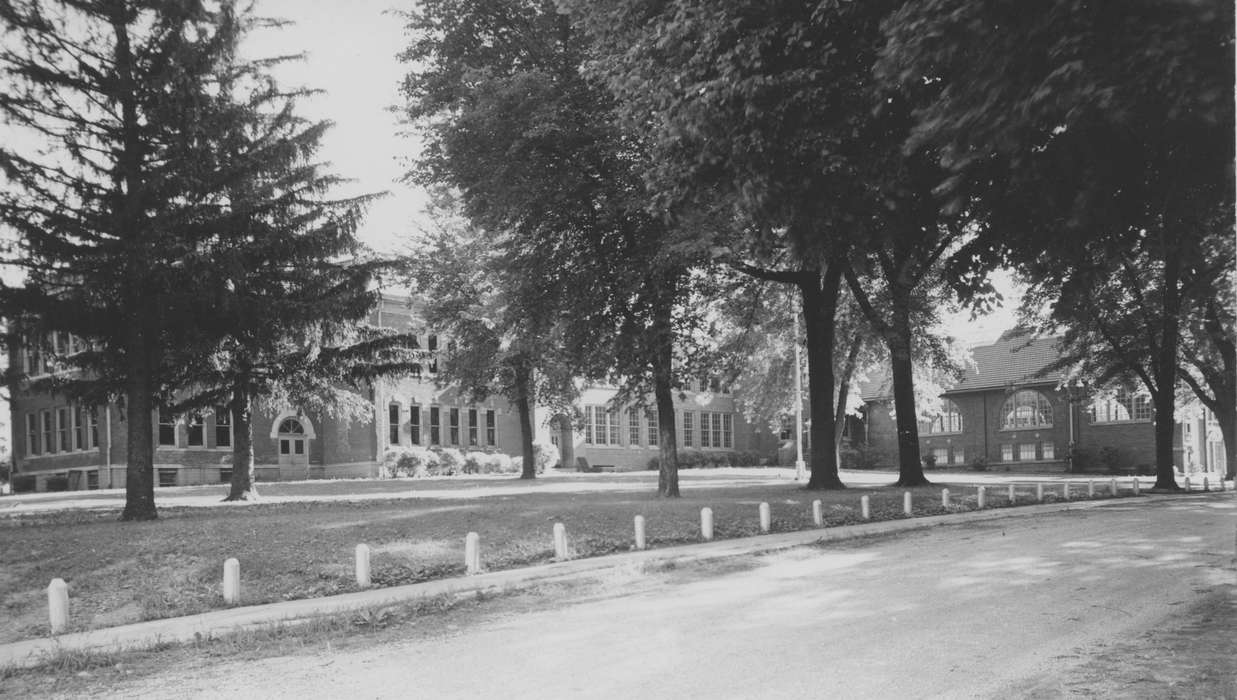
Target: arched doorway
x: 292, y: 433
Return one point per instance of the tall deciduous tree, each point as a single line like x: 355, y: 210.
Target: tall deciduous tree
x: 109, y: 176
x: 535, y: 153
x: 1096, y: 141
x: 500, y: 316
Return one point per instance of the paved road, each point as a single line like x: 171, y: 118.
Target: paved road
x: 967, y: 611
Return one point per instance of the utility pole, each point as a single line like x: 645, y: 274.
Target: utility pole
x: 800, y: 466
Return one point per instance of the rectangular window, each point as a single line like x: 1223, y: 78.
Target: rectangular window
x: 298, y: 446
x: 633, y: 426
x: 92, y: 432
x: 285, y: 446
x: 435, y: 426
x: 491, y: 428
x: 223, y: 427
x: 728, y: 430
x: 1047, y: 450
x: 717, y: 430
x: 941, y: 454
x: 612, y: 417
x: 704, y: 429
x: 1142, y: 407
x: 473, y: 427
x: 167, y: 428
x: 48, y: 443
x: 167, y: 477
x: 393, y: 424
x: 589, y: 437
x: 654, y: 429
x: 63, y: 430
x: 32, y: 434
x: 1026, y: 452
x: 1007, y: 453
x: 195, y: 430
x: 79, y: 427
x: 453, y: 426
x: 431, y: 343
x: 959, y: 455
x: 414, y: 424
x: 688, y: 428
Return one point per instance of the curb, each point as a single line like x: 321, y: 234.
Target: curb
x: 143, y: 635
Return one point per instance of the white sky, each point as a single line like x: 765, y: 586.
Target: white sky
x: 350, y: 53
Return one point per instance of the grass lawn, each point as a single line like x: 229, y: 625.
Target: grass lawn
x: 290, y: 547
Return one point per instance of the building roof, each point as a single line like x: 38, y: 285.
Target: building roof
x: 1016, y: 358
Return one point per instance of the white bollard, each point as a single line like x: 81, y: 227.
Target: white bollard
x: 1090, y: 489
x: 560, y: 541
x: 1039, y: 493
x: 362, y: 566
x: 1137, y: 486
x: 1112, y: 487
x: 765, y: 519
x: 640, y: 532
x: 1065, y: 491
x: 906, y: 503
x: 232, y: 581
x: 944, y: 498
x: 818, y: 513
x: 865, y: 509
x: 979, y: 497
x: 1013, y: 494
x: 472, y: 553
x: 58, y: 605
x: 706, y: 523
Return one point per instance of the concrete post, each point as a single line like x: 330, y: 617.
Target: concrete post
x: 1013, y: 494
x: 818, y: 513
x: 865, y: 507
x: 58, y: 605
x: 1137, y: 486
x: 1065, y: 490
x: 944, y: 498
x: 232, y: 581
x: 560, y: 541
x: 765, y: 519
x: 640, y: 532
x: 362, y: 566
x: 1090, y: 489
x: 706, y: 524
x: 472, y: 553
x: 979, y: 497
x: 1112, y: 487
x: 906, y: 503
x: 1039, y: 493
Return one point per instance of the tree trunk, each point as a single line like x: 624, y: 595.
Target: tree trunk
x: 820, y: 301
x: 139, y: 400
x: 524, y: 406
x: 1164, y: 371
x: 244, y: 486
x: 1227, y: 418
x: 839, y: 417
x: 663, y: 392
x: 910, y: 467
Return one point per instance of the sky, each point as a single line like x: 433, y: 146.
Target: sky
x: 350, y: 54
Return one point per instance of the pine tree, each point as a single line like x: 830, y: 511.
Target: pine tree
x: 112, y: 177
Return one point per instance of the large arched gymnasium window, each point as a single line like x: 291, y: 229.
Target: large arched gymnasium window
x: 1026, y: 409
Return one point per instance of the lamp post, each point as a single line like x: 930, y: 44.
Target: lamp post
x: 800, y: 466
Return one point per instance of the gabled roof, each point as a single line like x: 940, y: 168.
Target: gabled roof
x: 1014, y: 359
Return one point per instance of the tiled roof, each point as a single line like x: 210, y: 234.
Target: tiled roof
x: 1016, y: 358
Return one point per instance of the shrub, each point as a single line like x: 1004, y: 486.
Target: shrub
x: 979, y: 464
x: 545, y: 456
x: 1079, y: 460
x: 23, y: 483
x: 409, y: 462
x: 475, y: 462
x: 929, y: 461
x: 450, y: 462
x: 866, y: 457
x: 502, y: 463
x: 57, y: 483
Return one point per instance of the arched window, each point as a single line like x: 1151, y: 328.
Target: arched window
x: 1026, y: 409
x: 949, y: 420
x: 291, y: 426
x: 1120, y: 408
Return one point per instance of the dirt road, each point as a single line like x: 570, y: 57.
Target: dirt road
x: 1127, y: 601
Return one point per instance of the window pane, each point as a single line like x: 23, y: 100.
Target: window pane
x: 1048, y: 450
x: 1026, y: 452
x: 1007, y: 453
x: 688, y: 428
x: 393, y: 424
x: 414, y: 424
